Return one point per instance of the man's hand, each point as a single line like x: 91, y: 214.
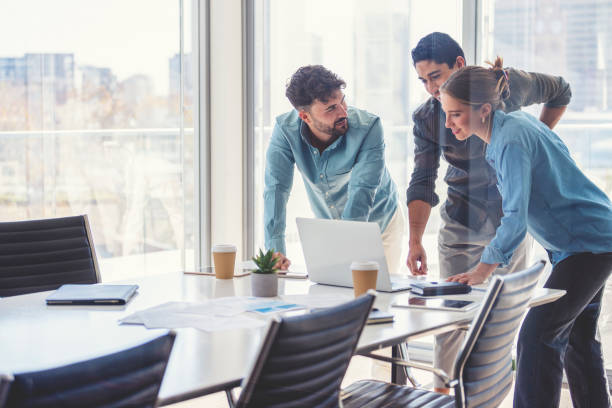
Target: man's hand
x: 416, y: 255
x: 282, y: 262
x: 476, y: 275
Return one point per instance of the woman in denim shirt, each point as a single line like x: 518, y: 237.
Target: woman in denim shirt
x: 544, y: 193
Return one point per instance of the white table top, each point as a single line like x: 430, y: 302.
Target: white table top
x: 35, y: 336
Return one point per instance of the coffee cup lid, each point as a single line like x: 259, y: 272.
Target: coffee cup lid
x: 224, y: 248
x: 364, y: 265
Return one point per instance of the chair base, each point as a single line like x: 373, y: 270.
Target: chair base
x: 372, y: 394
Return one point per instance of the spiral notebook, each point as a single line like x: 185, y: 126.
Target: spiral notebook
x: 92, y: 295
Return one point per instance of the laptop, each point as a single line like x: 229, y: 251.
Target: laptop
x: 331, y: 245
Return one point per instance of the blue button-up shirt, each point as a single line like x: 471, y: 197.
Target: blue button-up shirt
x: 348, y: 180
x: 543, y: 192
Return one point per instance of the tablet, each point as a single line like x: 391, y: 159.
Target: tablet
x: 100, y: 294
x: 436, y: 304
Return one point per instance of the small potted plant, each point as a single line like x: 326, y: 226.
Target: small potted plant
x: 264, y: 281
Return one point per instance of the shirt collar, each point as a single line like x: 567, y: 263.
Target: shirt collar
x: 498, y: 121
x: 306, y: 134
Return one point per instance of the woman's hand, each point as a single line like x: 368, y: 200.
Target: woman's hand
x: 476, y: 275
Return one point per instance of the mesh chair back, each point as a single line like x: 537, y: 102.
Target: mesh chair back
x: 303, y: 358
x: 129, y: 378
x: 42, y: 255
x: 484, y: 364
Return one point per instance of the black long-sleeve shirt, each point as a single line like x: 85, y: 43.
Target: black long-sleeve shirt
x: 472, y: 190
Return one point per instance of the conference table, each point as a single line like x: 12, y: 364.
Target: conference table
x: 34, y: 336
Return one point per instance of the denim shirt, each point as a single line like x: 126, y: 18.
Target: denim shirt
x: 543, y: 192
x: 472, y: 194
x: 348, y: 180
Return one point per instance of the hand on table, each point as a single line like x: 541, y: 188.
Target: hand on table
x: 282, y: 262
x: 475, y: 276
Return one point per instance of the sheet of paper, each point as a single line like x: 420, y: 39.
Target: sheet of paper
x: 225, y: 306
x: 222, y: 323
x: 273, y: 306
x: 208, y: 323
x: 212, y: 315
x: 226, y: 313
x: 136, y: 318
x: 316, y: 301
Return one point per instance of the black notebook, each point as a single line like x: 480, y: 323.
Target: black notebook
x: 92, y: 295
x: 439, y: 288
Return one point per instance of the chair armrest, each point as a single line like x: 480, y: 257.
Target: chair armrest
x: 448, y: 382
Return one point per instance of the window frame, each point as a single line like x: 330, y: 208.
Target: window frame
x: 472, y: 27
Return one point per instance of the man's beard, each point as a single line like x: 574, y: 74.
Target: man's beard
x: 332, y: 131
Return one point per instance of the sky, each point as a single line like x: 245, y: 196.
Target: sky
x: 128, y: 36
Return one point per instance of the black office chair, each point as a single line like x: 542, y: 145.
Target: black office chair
x: 482, y: 374
x: 303, y: 358
x: 41, y: 255
x: 129, y: 378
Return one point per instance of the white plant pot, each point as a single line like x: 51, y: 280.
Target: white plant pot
x: 264, y: 284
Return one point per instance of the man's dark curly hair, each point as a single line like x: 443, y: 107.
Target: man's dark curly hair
x: 312, y: 82
x: 438, y: 47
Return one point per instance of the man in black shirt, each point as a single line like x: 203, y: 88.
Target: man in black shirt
x: 472, y: 210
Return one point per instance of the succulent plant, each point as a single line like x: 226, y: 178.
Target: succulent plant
x: 265, y: 262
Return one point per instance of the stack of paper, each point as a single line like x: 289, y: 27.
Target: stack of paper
x: 224, y: 313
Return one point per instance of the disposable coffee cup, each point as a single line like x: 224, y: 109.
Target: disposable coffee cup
x: 364, y: 276
x: 224, y: 257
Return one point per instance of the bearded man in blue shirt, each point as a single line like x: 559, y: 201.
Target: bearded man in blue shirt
x: 340, y: 153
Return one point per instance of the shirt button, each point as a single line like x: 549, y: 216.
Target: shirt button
x: 316, y: 151
x: 326, y: 193
x: 331, y: 206
x: 321, y: 176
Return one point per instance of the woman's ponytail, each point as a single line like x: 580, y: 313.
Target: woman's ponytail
x: 503, y: 85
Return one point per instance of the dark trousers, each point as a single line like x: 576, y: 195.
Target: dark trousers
x: 563, y: 334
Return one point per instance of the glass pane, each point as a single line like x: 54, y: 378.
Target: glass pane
x: 90, y: 123
x: 367, y: 44
x: 571, y: 38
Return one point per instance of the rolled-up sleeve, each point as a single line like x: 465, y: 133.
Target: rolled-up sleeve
x: 527, y: 88
x: 366, y: 175
x: 514, y: 174
x: 426, y: 163
x: 278, y: 182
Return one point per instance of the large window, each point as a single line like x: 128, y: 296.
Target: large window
x: 572, y: 38
x: 367, y: 44
x: 93, y: 120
